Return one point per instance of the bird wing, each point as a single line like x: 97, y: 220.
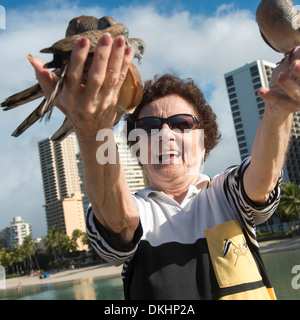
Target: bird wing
x: 85, y: 23
x: 67, y: 44
x: 81, y: 24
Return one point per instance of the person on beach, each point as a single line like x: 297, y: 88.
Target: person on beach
x: 186, y: 236
x: 19, y: 287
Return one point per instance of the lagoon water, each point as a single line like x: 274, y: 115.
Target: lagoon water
x: 278, y: 264
x: 85, y: 289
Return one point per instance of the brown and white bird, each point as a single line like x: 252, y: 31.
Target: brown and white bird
x: 138, y: 49
x: 85, y: 23
x: 76, y: 26
x: 83, y: 26
x: 279, y: 23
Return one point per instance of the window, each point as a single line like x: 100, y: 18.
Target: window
x: 229, y: 81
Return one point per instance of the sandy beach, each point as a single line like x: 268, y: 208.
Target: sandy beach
x: 280, y: 245
x: 99, y: 271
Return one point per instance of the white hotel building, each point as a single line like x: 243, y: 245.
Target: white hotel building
x: 15, y: 233
x: 247, y: 109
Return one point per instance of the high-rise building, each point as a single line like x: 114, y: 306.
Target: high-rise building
x: 85, y: 199
x: 62, y: 174
x: 15, y: 233
x: 62, y: 184
x: 248, y: 108
x: 134, y: 173
x: 293, y: 156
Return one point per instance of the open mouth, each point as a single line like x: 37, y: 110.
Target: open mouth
x: 169, y: 156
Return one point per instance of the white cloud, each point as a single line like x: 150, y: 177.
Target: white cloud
x: 196, y: 46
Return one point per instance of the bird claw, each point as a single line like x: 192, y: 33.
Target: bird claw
x: 291, y: 53
x: 126, y: 35
x: 140, y: 58
x: 288, y: 55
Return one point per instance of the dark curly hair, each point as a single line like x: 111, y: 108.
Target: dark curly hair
x: 168, y: 84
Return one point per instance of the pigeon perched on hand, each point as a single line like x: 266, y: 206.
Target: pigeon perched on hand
x: 61, y: 55
x: 76, y: 26
x: 279, y: 23
x: 138, y: 48
x: 83, y: 26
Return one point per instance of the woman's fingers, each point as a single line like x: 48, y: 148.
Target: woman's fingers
x: 284, y: 92
x: 45, y: 77
x: 86, y: 97
x: 98, y: 68
x: 280, y: 101
x: 117, y: 69
x: 114, y: 64
x: 108, y: 71
x: 79, y: 55
x: 124, y: 69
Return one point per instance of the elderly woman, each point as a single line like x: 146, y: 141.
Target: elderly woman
x: 186, y: 236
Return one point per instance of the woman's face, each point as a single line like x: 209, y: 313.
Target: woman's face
x: 171, y: 154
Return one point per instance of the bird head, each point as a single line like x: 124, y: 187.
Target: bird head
x: 82, y: 24
x: 138, y: 47
x: 106, y: 22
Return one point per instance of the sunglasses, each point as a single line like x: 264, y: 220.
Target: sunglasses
x: 180, y: 122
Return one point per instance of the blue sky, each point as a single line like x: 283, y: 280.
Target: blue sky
x: 197, y: 6
x: 198, y: 39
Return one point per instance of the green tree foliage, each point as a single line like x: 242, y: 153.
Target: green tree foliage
x: 25, y: 257
x: 289, y: 207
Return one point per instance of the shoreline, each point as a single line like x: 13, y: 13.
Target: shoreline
x: 109, y: 271
x: 98, y: 271
x: 279, y: 245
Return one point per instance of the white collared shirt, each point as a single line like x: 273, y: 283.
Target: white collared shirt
x: 167, y: 227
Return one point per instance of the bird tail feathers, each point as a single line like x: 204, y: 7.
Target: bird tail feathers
x: 22, y: 97
x: 63, y: 131
x: 29, y: 121
x: 48, y: 106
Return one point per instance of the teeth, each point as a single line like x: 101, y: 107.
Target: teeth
x: 169, y: 153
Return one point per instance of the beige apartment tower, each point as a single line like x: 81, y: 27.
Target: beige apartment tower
x: 62, y: 185
x: 135, y: 176
x: 64, y: 191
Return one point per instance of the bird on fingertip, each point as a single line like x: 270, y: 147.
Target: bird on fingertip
x: 80, y: 27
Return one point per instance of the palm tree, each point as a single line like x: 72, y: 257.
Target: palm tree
x: 59, y: 243
x: 17, y: 254
x: 51, y: 241
x: 30, y: 247
x: 4, y: 257
x: 290, y: 199
x: 76, y: 234
x: 10, y: 260
x: 85, y: 239
x: 65, y: 244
